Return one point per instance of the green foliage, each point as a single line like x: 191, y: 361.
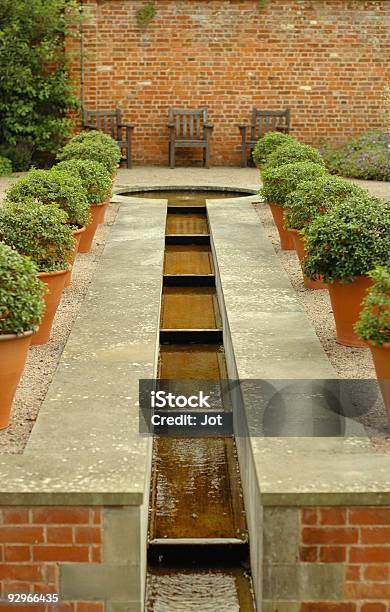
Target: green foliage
x: 94, y: 176
x: 38, y: 231
x: 366, y: 157
x: 5, y: 166
x: 146, y: 13
x: 315, y: 197
x: 96, y: 150
x: 374, y: 322
x: 98, y: 136
x: 54, y: 186
x: 19, y: 155
x: 279, y: 182
x: 293, y: 152
x: 35, y: 90
x: 268, y: 144
x: 21, y: 293
x: 349, y: 240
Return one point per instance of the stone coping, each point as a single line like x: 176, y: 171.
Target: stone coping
x: 268, y: 336
x: 85, y: 447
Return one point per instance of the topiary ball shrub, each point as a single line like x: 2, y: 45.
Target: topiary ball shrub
x: 293, y: 152
x: 374, y: 322
x: 94, y: 149
x: 94, y: 176
x: 97, y: 136
x: 21, y: 293
x: 54, y: 187
x: 279, y: 182
x: 5, y: 166
x: 315, y: 197
x: 268, y: 144
x: 38, y: 231
x: 349, y: 240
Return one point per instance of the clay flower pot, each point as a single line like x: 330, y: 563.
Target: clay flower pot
x: 77, y: 236
x: 381, y: 358
x: 98, y: 212
x: 346, y: 300
x: 55, y: 283
x: 285, y: 237
x: 299, y: 246
x: 13, y: 355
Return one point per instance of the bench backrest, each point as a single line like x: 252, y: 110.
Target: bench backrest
x: 267, y: 121
x: 106, y: 120
x: 188, y: 123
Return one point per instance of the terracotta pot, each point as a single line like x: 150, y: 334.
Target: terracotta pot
x: 381, y: 359
x: 299, y: 245
x: 77, y: 236
x: 98, y: 212
x: 55, y: 283
x: 346, y: 300
x: 285, y: 237
x: 13, y: 355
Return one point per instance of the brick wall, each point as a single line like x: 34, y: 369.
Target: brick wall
x: 34, y: 541
x: 326, y: 59
x: 360, y: 539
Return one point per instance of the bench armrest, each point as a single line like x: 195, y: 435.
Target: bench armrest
x: 125, y: 125
x: 208, y: 126
x: 170, y: 125
x: 241, y: 126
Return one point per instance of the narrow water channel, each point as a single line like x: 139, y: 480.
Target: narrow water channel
x: 198, y: 549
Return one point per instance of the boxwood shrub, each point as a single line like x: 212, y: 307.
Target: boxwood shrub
x: 314, y: 197
x: 293, y: 152
x: 54, y: 186
x: 268, y: 143
x: 374, y: 322
x: 94, y: 149
x: 5, y: 166
x: 279, y: 182
x: 94, y: 176
x: 21, y: 293
x: 38, y: 231
x: 98, y: 136
x: 349, y: 240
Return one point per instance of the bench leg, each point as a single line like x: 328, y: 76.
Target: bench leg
x: 206, y: 156
x: 171, y: 154
x: 244, y: 161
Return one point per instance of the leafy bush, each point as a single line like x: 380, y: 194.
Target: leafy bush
x: 54, y: 186
x: 315, y: 197
x: 267, y: 144
x: 93, y: 175
x: 365, y: 157
x: 279, y: 182
x: 5, y: 166
x: 374, y: 322
x: 349, y: 240
x: 21, y: 293
x: 39, y: 231
x: 97, y: 136
x: 96, y: 150
x: 293, y: 152
x: 35, y: 89
x: 20, y: 155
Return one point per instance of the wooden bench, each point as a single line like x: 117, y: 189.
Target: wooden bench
x: 261, y: 123
x: 110, y: 122
x: 189, y: 128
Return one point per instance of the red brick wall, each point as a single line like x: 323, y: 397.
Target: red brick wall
x: 34, y: 540
x: 359, y: 538
x: 326, y: 59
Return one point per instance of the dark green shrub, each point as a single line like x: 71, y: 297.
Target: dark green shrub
x: 5, y: 166
x: 19, y: 155
x: 54, y: 186
x: 21, y: 293
x: 94, y: 176
x: 293, y: 152
x: 374, y: 322
x: 279, y: 182
x: 95, y: 150
x: 38, y: 231
x: 349, y: 240
x: 268, y: 144
x: 97, y: 136
x: 314, y: 197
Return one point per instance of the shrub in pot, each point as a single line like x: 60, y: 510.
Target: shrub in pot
x: 293, y: 152
x: 278, y: 183
x: 373, y: 326
x: 21, y: 309
x: 94, y: 149
x: 54, y: 187
x: 310, y: 199
x: 267, y: 144
x: 98, y: 186
x: 41, y: 232
x: 98, y: 136
x: 342, y: 246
